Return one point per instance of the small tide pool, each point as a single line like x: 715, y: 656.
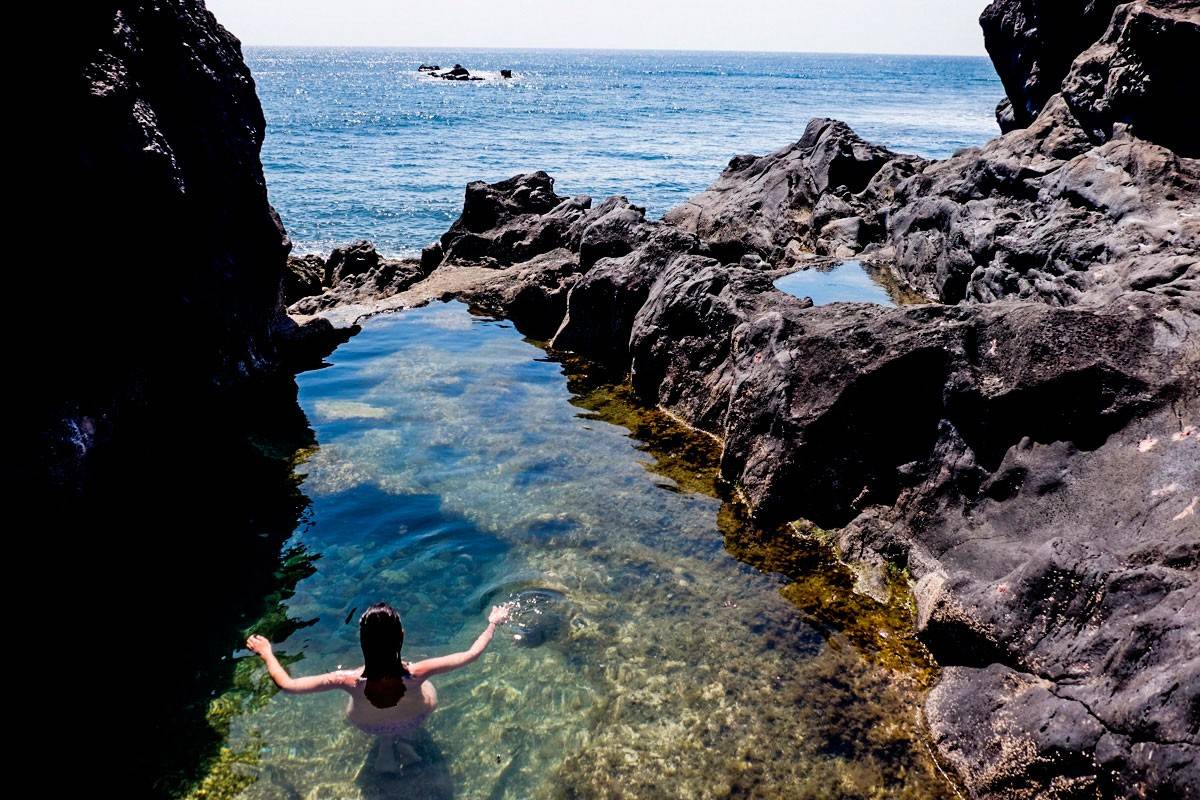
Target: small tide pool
x: 847, y: 282
x: 670, y: 649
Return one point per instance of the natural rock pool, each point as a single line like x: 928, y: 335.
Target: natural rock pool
x: 847, y: 282
x: 690, y: 655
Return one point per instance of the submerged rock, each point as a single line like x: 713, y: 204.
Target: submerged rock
x: 538, y: 617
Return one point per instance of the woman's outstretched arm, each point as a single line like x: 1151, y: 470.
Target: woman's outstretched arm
x: 306, y: 685
x: 436, y: 666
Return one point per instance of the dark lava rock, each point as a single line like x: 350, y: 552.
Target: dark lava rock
x: 1043, y: 214
x: 506, y: 73
x: 533, y: 294
x: 304, y: 277
x: 305, y: 345
x: 1117, y: 65
x: 512, y: 221
x: 604, y: 301
x: 1066, y: 605
x: 175, y: 306
x: 1033, y: 42
x: 1005, y: 118
x: 353, y: 259
x: 766, y: 205
x: 357, y: 273
x: 1141, y: 75
x: 457, y: 73
x: 164, y: 414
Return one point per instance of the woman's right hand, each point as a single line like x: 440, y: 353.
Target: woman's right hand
x: 259, y: 644
x: 499, y: 614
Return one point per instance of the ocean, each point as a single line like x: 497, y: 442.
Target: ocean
x: 360, y: 145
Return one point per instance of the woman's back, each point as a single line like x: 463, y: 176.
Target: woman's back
x: 399, y: 696
x: 408, y: 712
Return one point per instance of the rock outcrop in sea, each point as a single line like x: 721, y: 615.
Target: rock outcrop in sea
x: 1024, y: 443
x: 456, y: 73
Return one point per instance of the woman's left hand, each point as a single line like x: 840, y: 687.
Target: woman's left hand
x: 259, y: 644
x: 500, y: 614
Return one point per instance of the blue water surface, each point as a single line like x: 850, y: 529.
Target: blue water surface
x: 692, y: 655
x: 848, y: 282
x: 360, y: 145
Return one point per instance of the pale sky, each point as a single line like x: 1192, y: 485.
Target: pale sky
x: 940, y: 27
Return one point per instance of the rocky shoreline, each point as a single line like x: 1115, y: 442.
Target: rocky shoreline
x: 1024, y: 443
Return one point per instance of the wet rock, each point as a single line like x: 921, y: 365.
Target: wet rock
x: 1003, y: 754
x: 506, y: 73
x: 456, y: 73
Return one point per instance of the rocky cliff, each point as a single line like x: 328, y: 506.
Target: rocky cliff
x: 1024, y: 442
x: 160, y: 379
x: 178, y: 302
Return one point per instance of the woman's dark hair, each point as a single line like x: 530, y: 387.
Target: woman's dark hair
x: 382, y: 636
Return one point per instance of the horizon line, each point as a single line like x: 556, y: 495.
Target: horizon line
x: 615, y: 50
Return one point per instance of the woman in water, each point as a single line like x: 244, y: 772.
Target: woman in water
x: 388, y: 697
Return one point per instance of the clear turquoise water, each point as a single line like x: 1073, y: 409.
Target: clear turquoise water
x: 697, y: 658
x: 359, y: 145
